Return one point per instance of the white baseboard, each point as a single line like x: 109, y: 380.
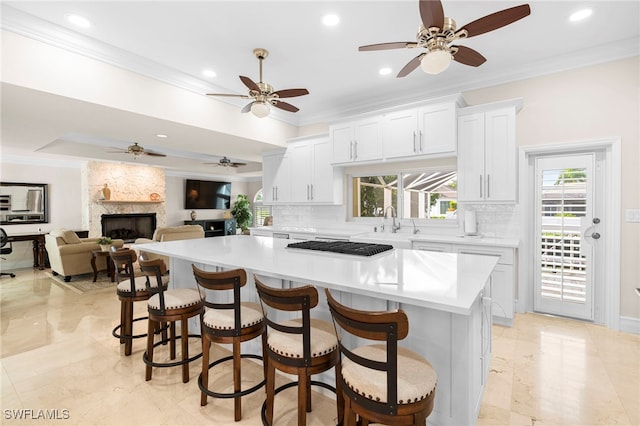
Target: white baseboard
x: 630, y: 325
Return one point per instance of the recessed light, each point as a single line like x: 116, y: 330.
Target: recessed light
x: 580, y: 15
x: 384, y: 71
x: 78, y: 21
x: 209, y: 73
x: 160, y: 135
x: 330, y: 20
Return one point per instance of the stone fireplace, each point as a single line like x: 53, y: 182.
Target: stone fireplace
x: 129, y: 226
x: 131, y: 187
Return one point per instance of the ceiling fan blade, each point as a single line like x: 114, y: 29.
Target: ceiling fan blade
x: 468, y: 56
x: 412, y: 65
x: 291, y: 93
x: 285, y: 106
x: 154, y: 154
x: 249, y: 83
x: 497, y: 20
x: 387, y: 46
x: 229, y: 95
x: 247, y: 107
x: 238, y: 164
x: 431, y: 13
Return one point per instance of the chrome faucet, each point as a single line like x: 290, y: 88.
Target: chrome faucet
x: 394, y: 227
x: 415, y: 230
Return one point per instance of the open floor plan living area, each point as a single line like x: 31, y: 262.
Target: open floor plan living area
x: 399, y: 212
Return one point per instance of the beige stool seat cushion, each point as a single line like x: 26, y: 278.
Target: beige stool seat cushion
x: 224, y: 319
x: 416, y: 377
x: 323, y: 339
x: 176, y: 298
x: 140, y: 284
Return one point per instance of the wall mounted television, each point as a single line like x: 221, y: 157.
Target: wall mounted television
x: 205, y: 194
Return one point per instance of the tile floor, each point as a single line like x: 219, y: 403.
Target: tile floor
x: 57, y: 354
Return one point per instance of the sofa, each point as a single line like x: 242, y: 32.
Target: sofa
x: 70, y: 255
x: 169, y: 233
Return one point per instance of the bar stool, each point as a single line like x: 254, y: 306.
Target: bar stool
x: 302, y: 346
x: 169, y: 306
x: 382, y: 383
x: 130, y: 289
x: 225, y: 323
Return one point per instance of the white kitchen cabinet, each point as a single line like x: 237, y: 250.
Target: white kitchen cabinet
x: 313, y: 178
x: 276, y: 178
x: 487, y: 162
x: 425, y: 130
x: 355, y: 141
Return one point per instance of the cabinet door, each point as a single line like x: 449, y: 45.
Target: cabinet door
x: 367, y: 139
x: 437, y: 124
x: 502, y: 293
x: 400, y: 133
x: 500, y: 155
x: 270, y: 164
x: 301, y: 172
x: 341, y: 142
x: 326, y: 183
x: 471, y: 157
x: 283, y: 180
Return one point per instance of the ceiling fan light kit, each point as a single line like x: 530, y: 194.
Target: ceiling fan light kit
x: 437, y: 32
x: 262, y: 93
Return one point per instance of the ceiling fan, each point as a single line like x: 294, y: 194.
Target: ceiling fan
x: 437, y: 32
x: 263, y: 94
x: 136, y: 150
x: 225, y: 162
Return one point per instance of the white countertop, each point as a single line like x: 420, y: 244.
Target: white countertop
x: 444, y: 281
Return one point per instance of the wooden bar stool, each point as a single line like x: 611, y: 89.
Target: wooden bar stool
x: 303, y: 346
x: 227, y: 323
x: 130, y: 289
x: 169, y: 306
x: 382, y: 383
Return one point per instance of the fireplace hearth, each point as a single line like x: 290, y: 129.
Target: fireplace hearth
x: 128, y: 226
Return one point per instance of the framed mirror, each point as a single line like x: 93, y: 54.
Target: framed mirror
x: 22, y: 203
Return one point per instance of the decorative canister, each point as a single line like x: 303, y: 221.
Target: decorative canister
x: 106, y: 192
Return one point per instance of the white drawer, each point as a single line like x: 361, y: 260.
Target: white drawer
x: 429, y: 246
x: 505, y: 253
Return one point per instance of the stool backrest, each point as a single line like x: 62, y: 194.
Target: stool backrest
x: 231, y: 280
x: 298, y: 299
x: 123, y: 260
x: 387, y: 326
x: 154, y: 269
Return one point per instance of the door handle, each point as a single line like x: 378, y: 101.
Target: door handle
x: 594, y: 235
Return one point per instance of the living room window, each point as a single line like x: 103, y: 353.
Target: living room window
x: 426, y: 194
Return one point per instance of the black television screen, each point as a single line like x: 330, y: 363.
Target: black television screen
x: 205, y: 194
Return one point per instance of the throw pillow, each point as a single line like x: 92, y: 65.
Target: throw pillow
x: 68, y: 236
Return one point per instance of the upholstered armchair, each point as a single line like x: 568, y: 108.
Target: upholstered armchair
x: 70, y: 255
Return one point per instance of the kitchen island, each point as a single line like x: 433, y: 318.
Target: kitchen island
x: 443, y: 295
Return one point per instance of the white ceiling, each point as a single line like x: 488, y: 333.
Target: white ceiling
x: 183, y: 38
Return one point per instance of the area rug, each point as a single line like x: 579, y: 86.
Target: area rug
x: 84, y: 283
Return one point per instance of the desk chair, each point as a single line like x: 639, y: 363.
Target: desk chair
x: 4, y: 240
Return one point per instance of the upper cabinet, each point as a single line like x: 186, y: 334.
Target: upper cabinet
x: 355, y: 141
x: 276, y: 177
x: 487, y: 161
x: 426, y: 130
x: 314, y: 179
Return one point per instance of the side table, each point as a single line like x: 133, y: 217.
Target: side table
x: 99, y: 253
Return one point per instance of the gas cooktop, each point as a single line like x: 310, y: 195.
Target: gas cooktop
x: 343, y: 247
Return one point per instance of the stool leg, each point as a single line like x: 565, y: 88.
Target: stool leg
x: 349, y: 414
x: 308, y: 392
x: 172, y: 340
x: 303, y: 379
x: 150, y: 336
x: 206, y: 347
x: 123, y: 318
x: 184, y: 328
x: 237, y: 381
x: 128, y: 342
x: 265, y: 357
x: 271, y: 385
x: 339, y: 395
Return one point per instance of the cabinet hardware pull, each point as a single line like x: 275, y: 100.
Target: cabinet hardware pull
x: 414, y: 141
x: 311, y: 191
x: 350, y: 150
x: 276, y: 193
x: 308, y: 192
x: 480, y: 186
x: 420, y: 140
x: 355, y: 149
x: 488, y: 186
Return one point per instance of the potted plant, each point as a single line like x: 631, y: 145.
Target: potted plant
x: 242, y: 213
x: 105, y: 243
